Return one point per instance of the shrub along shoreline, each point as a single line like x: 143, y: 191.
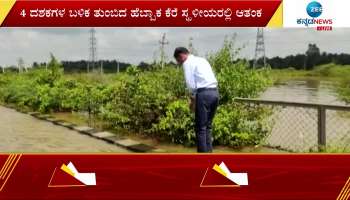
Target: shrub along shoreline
x: 153, y: 103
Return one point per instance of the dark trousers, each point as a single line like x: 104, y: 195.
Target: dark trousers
x: 206, y: 103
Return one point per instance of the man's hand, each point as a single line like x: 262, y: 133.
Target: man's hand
x: 192, y: 103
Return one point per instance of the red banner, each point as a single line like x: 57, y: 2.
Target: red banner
x: 137, y: 13
x: 157, y: 176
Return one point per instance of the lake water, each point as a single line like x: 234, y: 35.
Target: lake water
x: 296, y: 128
x: 304, y: 90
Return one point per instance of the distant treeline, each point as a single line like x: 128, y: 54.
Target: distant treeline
x: 308, y: 61
x: 301, y: 61
x: 312, y: 57
x: 109, y: 66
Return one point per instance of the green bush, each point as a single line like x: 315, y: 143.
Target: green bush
x: 117, y: 109
x: 234, y: 125
x: 237, y: 126
x: 177, y: 124
x: 235, y: 78
x: 19, y: 90
x: 139, y: 99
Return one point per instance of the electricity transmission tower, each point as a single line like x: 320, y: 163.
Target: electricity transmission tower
x: 191, y: 47
x: 21, y: 66
x: 162, y: 43
x: 92, y: 51
x: 101, y: 67
x: 259, y: 49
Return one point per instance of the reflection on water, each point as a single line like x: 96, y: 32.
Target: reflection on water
x: 303, y: 90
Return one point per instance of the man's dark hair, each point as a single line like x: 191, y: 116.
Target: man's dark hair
x: 180, y: 50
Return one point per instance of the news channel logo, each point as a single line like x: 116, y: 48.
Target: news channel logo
x: 314, y: 9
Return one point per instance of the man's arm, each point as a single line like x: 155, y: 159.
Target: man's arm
x: 189, y: 77
x: 190, y: 83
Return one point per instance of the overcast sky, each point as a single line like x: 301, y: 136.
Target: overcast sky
x: 134, y: 45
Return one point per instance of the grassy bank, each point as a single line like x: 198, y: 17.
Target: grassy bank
x: 342, y: 74
x: 339, y: 74
x: 325, y: 71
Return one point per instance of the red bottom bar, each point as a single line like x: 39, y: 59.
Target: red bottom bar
x: 174, y: 176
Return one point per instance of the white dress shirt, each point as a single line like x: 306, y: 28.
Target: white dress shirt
x: 198, y: 73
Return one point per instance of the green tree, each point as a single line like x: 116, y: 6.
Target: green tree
x: 312, y: 56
